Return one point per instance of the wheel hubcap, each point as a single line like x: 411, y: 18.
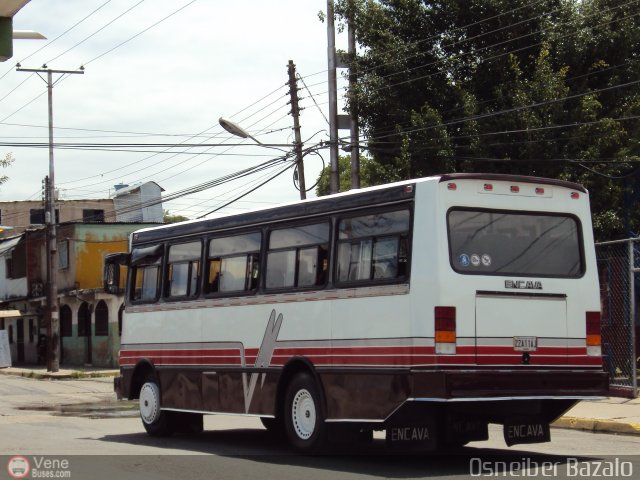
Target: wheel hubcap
x: 303, y: 414
x: 149, y: 402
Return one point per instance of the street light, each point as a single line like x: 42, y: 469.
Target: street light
x: 27, y: 35
x: 8, y: 8
x: 235, y: 129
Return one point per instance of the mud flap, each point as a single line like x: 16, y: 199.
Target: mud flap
x: 526, y: 430
x: 459, y: 430
x: 410, y: 434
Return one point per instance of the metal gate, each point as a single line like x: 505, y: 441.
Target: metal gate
x: 618, y: 263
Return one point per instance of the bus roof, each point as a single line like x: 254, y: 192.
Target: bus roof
x: 353, y: 199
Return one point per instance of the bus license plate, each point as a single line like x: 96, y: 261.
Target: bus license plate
x: 525, y: 344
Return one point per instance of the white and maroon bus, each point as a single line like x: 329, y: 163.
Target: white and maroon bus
x: 427, y: 308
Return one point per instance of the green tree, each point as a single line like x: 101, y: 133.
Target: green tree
x: 371, y: 173
x: 5, y: 162
x: 504, y: 86
x: 169, y: 218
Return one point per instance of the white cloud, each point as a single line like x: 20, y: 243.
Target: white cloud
x: 213, y: 58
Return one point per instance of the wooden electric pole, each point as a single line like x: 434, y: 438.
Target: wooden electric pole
x: 52, y: 317
x: 334, y: 181
x: 295, y: 113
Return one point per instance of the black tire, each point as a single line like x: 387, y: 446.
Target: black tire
x: 156, y: 422
x: 185, y: 422
x: 304, y: 417
x: 273, y: 425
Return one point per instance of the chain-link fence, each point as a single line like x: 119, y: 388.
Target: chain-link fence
x: 618, y: 263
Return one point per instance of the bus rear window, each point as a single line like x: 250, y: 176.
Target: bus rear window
x: 514, y: 243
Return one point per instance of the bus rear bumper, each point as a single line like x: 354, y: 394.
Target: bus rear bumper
x: 453, y: 407
x: 461, y: 385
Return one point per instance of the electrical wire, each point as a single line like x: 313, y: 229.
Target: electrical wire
x: 95, y: 33
x: 140, y: 33
x: 58, y: 37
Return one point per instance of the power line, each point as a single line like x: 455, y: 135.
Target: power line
x: 174, y: 154
x: 141, y: 32
x: 58, y: 37
x: 96, y: 32
x: 513, y: 109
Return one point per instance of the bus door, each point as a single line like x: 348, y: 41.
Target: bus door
x: 521, y: 329
x: 522, y: 263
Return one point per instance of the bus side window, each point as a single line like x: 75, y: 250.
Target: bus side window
x: 234, y: 264
x: 298, y: 256
x: 373, y: 247
x: 183, y: 270
x: 213, y: 281
x: 145, y: 283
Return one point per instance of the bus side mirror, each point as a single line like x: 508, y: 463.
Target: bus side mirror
x: 111, y: 272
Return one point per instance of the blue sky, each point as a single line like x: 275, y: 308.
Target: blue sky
x: 213, y: 58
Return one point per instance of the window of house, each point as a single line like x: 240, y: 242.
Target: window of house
x: 373, y: 247
x: 102, y: 319
x: 66, y: 329
x: 298, y: 256
x: 183, y: 270
x: 92, y: 215
x: 8, y: 264
x: 63, y: 254
x: 234, y: 263
x: 37, y: 216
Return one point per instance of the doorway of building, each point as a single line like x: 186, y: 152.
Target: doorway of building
x: 84, y: 330
x: 20, y: 340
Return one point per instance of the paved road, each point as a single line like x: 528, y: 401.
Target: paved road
x: 234, y: 447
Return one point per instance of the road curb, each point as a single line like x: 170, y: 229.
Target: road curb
x: 597, y: 425
x: 66, y: 375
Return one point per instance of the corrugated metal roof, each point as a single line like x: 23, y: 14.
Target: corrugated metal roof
x: 9, y: 244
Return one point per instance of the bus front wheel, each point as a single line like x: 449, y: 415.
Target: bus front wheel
x: 155, y: 421
x: 304, y: 418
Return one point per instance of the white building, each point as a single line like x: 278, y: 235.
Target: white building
x: 139, y: 203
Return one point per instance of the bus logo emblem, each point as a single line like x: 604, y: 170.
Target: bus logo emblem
x: 523, y: 285
x: 263, y: 359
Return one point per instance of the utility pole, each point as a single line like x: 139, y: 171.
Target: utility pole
x: 295, y: 112
x: 334, y: 183
x: 52, y: 317
x: 353, y: 124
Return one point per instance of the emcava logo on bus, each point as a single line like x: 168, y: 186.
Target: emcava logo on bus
x: 522, y: 285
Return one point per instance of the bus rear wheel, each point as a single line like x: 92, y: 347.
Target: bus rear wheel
x: 303, y: 414
x: 155, y: 421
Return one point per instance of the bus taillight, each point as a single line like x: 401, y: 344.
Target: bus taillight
x: 594, y: 339
x: 445, y: 330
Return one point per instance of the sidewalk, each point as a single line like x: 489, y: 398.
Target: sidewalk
x: 610, y: 415
x: 68, y: 372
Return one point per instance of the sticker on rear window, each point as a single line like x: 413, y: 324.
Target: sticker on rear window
x: 486, y: 260
x: 464, y: 260
x: 475, y: 260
